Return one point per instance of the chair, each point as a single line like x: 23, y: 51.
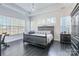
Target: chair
x: 3, y: 39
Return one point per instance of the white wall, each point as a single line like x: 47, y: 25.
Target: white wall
x: 41, y: 19
x: 27, y: 25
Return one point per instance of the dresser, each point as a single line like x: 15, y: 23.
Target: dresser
x: 65, y: 38
x: 75, y: 31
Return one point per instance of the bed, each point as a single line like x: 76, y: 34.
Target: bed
x: 39, y: 38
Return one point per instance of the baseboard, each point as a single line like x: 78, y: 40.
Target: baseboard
x: 56, y: 40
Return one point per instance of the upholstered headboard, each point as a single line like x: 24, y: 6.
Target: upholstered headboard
x: 46, y: 28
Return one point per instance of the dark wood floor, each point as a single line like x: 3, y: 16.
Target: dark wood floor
x: 17, y: 48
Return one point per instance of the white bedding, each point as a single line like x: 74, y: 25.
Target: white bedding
x: 38, y: 34
x: 49, y: 36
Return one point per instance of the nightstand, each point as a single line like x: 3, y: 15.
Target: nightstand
x: 65, y: 38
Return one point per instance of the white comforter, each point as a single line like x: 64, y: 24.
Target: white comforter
x: 49, y: 38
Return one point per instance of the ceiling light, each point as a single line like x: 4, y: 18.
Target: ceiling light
x: 33, y: 7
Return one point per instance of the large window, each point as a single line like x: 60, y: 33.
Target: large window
x: 11, y: 25
x: 66, y: 24
x: 51, y: 21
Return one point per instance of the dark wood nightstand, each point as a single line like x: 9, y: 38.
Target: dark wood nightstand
x: 65, y: 38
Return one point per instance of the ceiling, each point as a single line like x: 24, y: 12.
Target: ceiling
x: 37, y: 8
x: 45, y: 7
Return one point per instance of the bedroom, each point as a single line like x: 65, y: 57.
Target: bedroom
x: 40, y: 25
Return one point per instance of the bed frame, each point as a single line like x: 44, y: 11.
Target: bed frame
x: 40, y: 41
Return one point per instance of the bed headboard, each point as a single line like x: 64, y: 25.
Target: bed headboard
x: 46, y: 28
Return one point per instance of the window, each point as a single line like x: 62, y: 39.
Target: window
x: 11, y: 25
x: 51, y: 21
x: 66, y: 24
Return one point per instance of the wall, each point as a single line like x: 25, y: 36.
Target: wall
x: 41, y: 19
x: 27, y: 25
